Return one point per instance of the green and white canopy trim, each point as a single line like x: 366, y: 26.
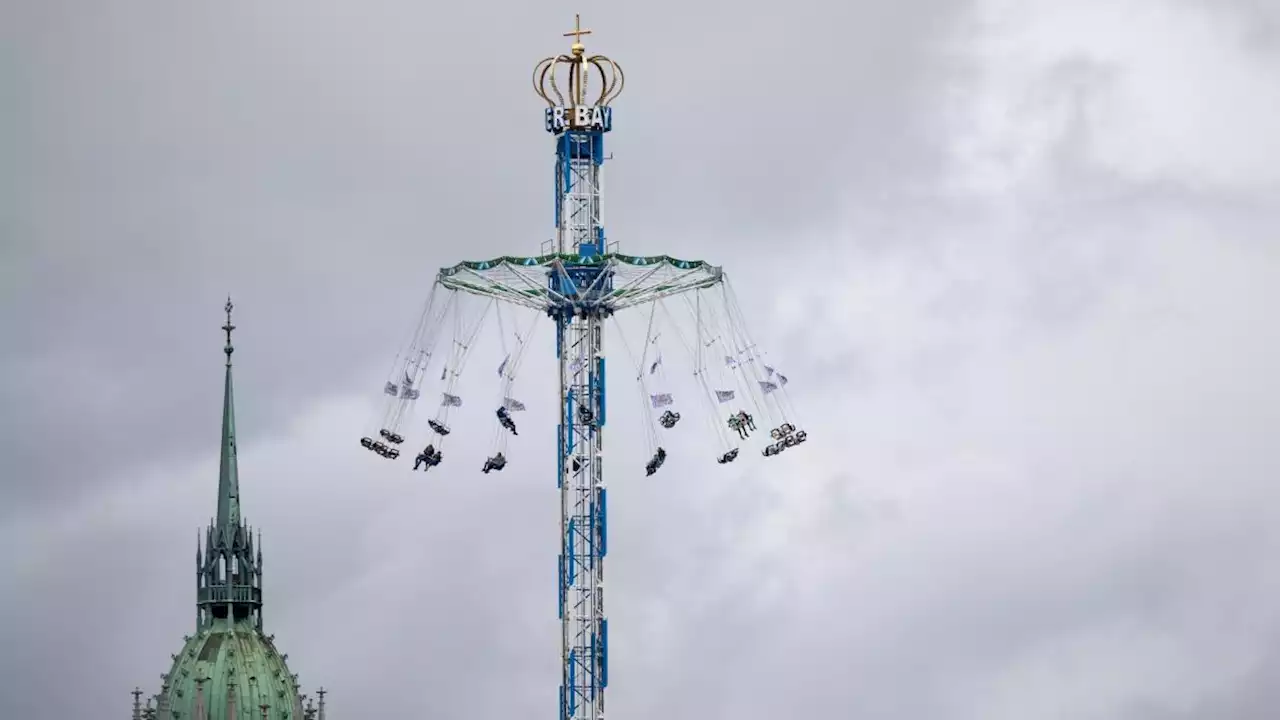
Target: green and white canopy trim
x: 637, y: 279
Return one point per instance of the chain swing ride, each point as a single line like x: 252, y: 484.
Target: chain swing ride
x: 580, y: 285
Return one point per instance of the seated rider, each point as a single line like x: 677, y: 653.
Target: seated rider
x: 658, y: 458
x: 504, y: 418
x: 497, y: 462
x: 427, y: 457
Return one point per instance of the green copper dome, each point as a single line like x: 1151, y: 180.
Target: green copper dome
x: 232, y: 666
x: 230, y: 669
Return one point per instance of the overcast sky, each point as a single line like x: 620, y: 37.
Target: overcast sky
x: 1019, y: 259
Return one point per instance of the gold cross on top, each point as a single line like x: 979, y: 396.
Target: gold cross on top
x: 577, y: 32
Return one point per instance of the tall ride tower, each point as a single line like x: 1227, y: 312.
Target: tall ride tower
x: 579, y: 122
x: 579, y: 280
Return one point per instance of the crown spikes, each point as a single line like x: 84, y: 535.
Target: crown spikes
x: 582, y: 71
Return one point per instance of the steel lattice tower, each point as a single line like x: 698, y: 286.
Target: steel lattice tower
x: 579, y: 283
x: 579, y: 318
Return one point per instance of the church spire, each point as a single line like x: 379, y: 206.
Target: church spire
x: 229, y: 584
x: 228, y: 474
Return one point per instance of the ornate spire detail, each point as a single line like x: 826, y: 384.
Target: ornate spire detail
x: 228, y: 472
x: 228, y: 328
x: 229, y: 587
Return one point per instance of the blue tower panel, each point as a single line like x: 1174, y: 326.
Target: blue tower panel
x: 566, y: 284
x: 581, y: 145
x: 569, y: 553
x: 560, y: 455
x: 595, y: 653
x: 595, y: 539
x: 577, y: 145
x: 604, y: 653
x: 592, y: 393
x: 601, y: 523
x: 600, y: 386
x: 561, y: 186
x: 560, y: 586
x: 568, y: 416
x: 573, y: 694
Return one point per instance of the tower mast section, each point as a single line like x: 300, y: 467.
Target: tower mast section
x: 581, y: 289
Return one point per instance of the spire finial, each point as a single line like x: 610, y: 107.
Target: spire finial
x: 228, y: 476
x: 228, y: 328
x: 577, y: 48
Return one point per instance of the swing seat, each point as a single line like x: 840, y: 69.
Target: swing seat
x: 438, y: 428
x: 366, y: 443
x: 801, y: 436
x: 393, y: 453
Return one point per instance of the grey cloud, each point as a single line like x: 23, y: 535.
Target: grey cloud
x: 1017, y: 467
x: 167, y: 156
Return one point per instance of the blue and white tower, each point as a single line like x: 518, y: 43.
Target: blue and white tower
x: 579, y: 280
x: 579, y: 118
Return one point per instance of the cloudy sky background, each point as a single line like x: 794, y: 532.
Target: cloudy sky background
x: 1018, y: 259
